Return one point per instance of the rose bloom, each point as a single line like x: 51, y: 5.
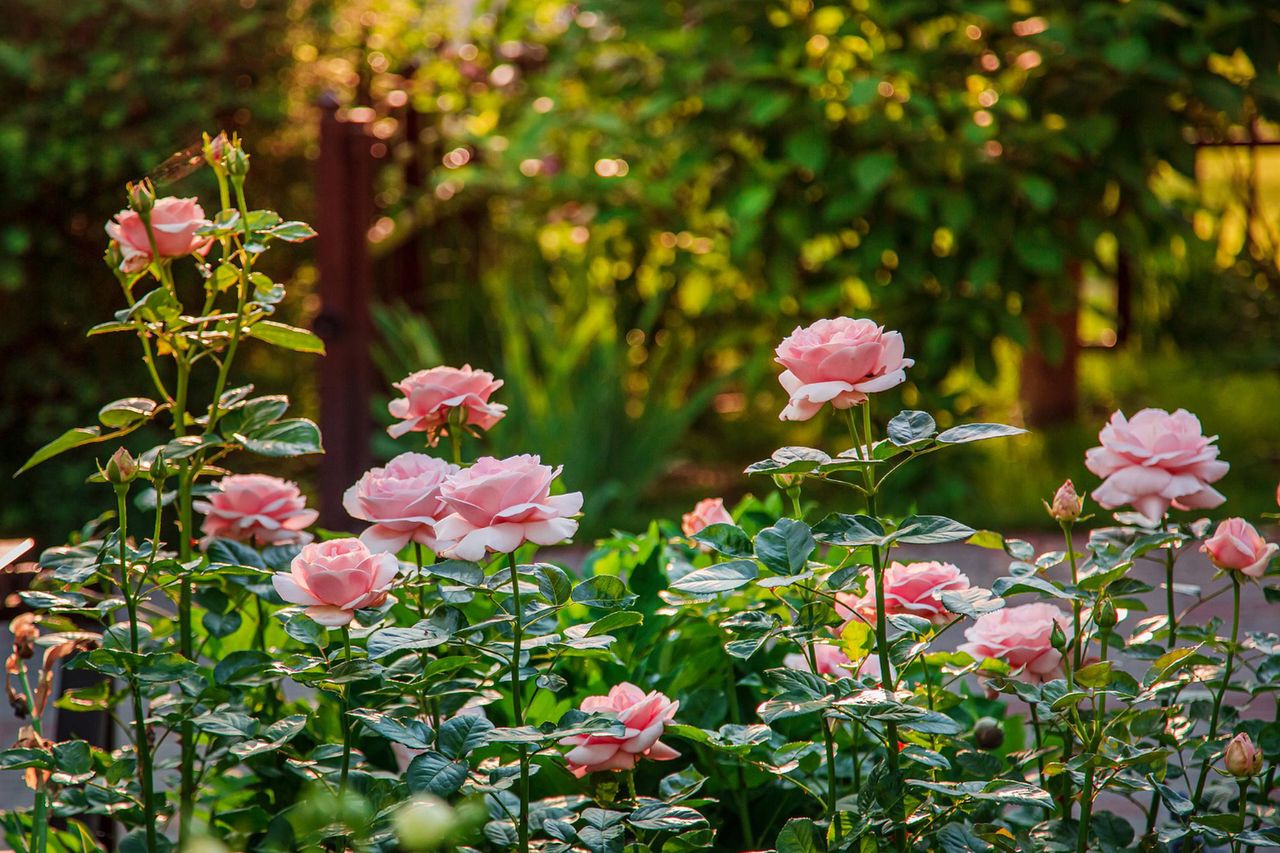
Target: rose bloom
x: 431, y: 395
x: 336, y: 578
x: 499, y: 504
x: 708, y: 511
x: 644, y: 714
x: 913, y: 589
x: 1156, y: 460
x: 258, y: 509
x: 832, y: 661
x: 1237, y: 546
x: 173, y: 225
x: 1020, y: 636
x: 402, y: 500
x: 1241, y: 758
x: 838, y: 361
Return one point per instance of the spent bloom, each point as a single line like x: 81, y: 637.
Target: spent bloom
x: 1155, y: 460
x: 645, y: 716
x: 336, y: 578
x: 1237, y: 546
x: 174, y: 222
x: 706, y: 512
x: 1242, y: 759
x: 402, y: 500
x: 431, y: 397
x: 256, y: 508
x: 838, y: 361
x: 911, y: 589
x: 1021, y: 637
x: 497, y: 505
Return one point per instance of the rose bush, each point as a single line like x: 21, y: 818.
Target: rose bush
x: 783, y: 676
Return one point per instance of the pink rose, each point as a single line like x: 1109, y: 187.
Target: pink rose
x: 431, y: 395
x: 832, y: 661
x: 1155, y: 460
x: 708, y: 511
x: 336, y: 578
x: 499, y: 504
x: 1237, y: 546
x: 838, y: 361
x: 173, y: 225
x: 258, y: 509
x: 1021, y: 637
x: 403, y: 501
x: 914, y: 589
x: 644, y: 714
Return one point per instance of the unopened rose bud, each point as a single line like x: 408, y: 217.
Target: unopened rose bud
x: 142, y: 196
x: 787, y: 481
x: 25, y: 633
x: 236, y: 160
x: 1067, y: 505
x: 159, y: 470
x: 1242, y: 758
x: 1106, y: 615
x: 113, y: 257
x: 215, y: 150
x: 1058, y: 638
x: 425, y: 823
x: 121, y: 468
x: 988, y: 733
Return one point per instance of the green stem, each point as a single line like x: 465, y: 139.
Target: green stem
x: 1071, y: 666
x: 833, y: 793
x: 343, y: 722
x: 1226, y: 682
x: 517, y: 700
x: 1243, y: 812
x: 1035, y: 725
x: 882, y: 631
x: 1168, y: 598
x: 1086, y: 792
x: 422, y: 581
x: 187, y: 783
x: 735, y: 717
x: 40, y: 822
x: 142, y: 744
x: 225, y: 369
x: 455, y: 439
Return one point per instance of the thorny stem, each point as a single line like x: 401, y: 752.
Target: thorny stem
x: 517, y: 707
x: 1086, y: 793
x: 1226, y: 682
x: 142, y: 745
x: 342, y: 720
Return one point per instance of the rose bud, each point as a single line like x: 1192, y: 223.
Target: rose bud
x: 1105, y: 615
x: 1067, y: 505
x: 1242, y: 758
x: 1237, y: 546
x: 142, y: 196
x: 988, y: 733
x: 121, y: 468
x: 1057, y: 637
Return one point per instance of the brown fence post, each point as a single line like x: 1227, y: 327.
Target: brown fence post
x: 344, y: 178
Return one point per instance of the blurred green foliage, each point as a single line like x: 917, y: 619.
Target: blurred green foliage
x: 625, y: 205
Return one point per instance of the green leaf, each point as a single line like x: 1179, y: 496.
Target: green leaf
x: 910, y: 427
x: 70, y: 439
x: 434, y: 773
x: 1094, y: 675
x: 292, y: 232
x: 388, y: 641
x: 553, y: 583
x: 293, y: 437
x: 604, y: 591
x: 797, y: 836
x: 929, y: 530
x: 463, y: 734
x: 410, y: 732
x: 971, y: 602
x: 458, y: 571
x: 131, y: 411
x: 245, y: 667
x: 720, y: 577
x: 603, y: 831
x: 966, y: 433
x: 663, y: 817
x: 849, y: 531
x: 288, y: 337
x: 1039, y: 191
x: 228, y: 552
x: 790, y: 460
x: 726, y: 539
x: 785, y: 547
x: 613, y: 621
x: 873, y: 171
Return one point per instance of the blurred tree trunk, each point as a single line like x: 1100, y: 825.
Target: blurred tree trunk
x: 1051, y: 358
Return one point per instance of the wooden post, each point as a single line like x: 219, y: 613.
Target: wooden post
x: 1049, y: 364
x: 344, y: 179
